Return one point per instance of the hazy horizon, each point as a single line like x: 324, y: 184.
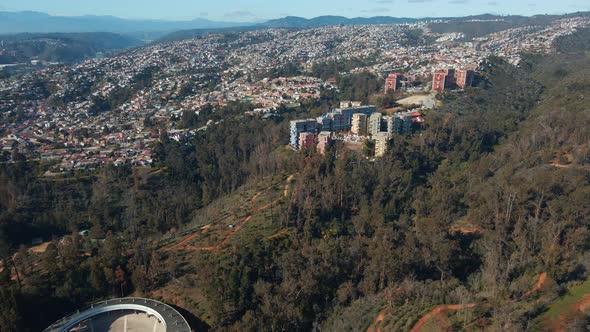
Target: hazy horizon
x: 261, y: 10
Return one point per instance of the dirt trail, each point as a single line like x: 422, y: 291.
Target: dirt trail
x: 559, y: 323
x: 231, y: 234
x: 377, y: 324
x: 467, y: 229
x: 183, y: 244
x: 540, y: 283
x: 158, y: 171
x: 439, y: 311
x: 288, y: 185
x: 584, y: 303
x: 278, y: 234
x: 571, y: 163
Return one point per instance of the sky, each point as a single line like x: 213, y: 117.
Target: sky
x: 259, y: 10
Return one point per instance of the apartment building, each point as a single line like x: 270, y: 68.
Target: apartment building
x: 375, y: 124
x: 359, y: 124
x: 381, y: 144
x: 296, y: 127
x: 324, y: 140
x: 465, y: 78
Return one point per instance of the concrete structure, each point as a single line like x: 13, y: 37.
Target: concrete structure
x: 381, y: 144
x: 325, y: 122
x: 465, y: 78
x: 306, y: 141
x: 348, y: 112
x: 450, y: 78
x: 350, y: 104
x: 402, y: 123
x: 138, y: 312
x: 375, y: 123
x: 300, y: 126
x: 393, y: 82
x: 339, y: 121
x: 324, y: 140
x: 439, y: 80
x: 359, y: 124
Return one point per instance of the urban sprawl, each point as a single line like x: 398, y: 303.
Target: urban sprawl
x: 61, y: 114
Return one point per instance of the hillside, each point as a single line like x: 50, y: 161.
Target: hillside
x: 541, y: 166
x: 289, y: 22
x: 479, y: 221
x: 34, y: 22
x: 481, y: 25
x: 61, y: 47
x: 300, y: 22
x: 475, y: 221
x: 195, y: 33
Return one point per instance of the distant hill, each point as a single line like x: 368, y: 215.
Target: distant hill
x: 481, y: 25
x: 300, y: 22
x: 34, y: 22
x: 290, y: 22
x: 61, y: 47
x: 576, y: 42
x: 195, y: 33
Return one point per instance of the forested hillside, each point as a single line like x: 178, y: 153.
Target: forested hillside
x: 478, y: 221
x: 60, y: 47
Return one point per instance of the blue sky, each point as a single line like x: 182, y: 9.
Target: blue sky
x: 255, y: 10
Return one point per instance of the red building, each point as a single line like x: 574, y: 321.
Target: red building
x: 465, y: 78
x: 306, y: 141
x: 393, y: 81
x: 439, y: 80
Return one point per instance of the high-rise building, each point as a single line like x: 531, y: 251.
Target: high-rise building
x: 402, y: 125
x: 439, y: 80
x: 339, y: 121
x: 399, y: 124
x: 324, y: 139
x: 375, y: 123
x: 465, y: 78
x: 306, y: 140
x: 325, y: 123
x: 366, y: 110
x: 381, y: 143
x: 300, y: 126
x: 450, y: 78
x: 359, y: 124
x: 393, y: 82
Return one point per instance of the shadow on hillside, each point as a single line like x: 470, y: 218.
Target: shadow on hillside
x: 195, y: 323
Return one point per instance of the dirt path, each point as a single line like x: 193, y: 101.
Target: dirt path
x: 540, y: 283
x: 466, y: 229
x: 232, y: 233
x: 278, y: 234
x: 183, y: 244
x: 288, y: 185
x: 378, y: 322
x: 571, y: 163
x: 439, y: 311
x: 559, y: 323
x: 584, y: 303
x: 158, y: 171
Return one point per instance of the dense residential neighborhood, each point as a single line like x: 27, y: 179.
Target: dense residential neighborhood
x: 111, y: 110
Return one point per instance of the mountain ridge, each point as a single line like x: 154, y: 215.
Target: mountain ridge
x: 37, y: 22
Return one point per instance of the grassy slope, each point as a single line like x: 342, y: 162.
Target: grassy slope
x: 229, y: 210
x: 564, y: 305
